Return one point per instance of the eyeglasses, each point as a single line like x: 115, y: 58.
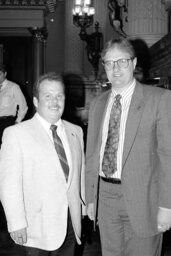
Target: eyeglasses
x: 121, y: 63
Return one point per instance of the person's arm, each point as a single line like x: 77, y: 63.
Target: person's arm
x: 21, y: 102
x: 80, y: 136
x: 164, y: 154
x: 90, y: 211
x: 11, y: 180
x: 89, y: 173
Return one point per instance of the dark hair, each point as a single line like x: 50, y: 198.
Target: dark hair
x: 3, y: 68
x: 120, y: 43
x: 51, y: 76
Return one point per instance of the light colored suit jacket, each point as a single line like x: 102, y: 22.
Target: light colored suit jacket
x: 146, y: 167
x: 33, y: 190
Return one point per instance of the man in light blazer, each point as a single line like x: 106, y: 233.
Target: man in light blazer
x: 42, y: 207
x: 133, y: 203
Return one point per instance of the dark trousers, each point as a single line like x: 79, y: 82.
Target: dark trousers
x: 116, y: 233
x: 4, y: 123
x: 67, y: 248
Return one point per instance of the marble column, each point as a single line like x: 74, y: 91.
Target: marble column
x: 147, y: 20
x: 39, y: 50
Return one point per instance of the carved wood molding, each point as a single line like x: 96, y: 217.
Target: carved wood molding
x: 20, y: 3
x: 167, y: 4
x: 48, y: 5
x: 161, y: 57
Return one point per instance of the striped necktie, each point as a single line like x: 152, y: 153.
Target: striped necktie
x: 60, y: 151
x: 109, y: 163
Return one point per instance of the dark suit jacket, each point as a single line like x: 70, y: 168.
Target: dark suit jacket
x: 146, y: 170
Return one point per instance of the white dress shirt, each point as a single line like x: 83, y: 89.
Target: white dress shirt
x: 11, y: 96
x: 61, y: 133
x: 125, y: 102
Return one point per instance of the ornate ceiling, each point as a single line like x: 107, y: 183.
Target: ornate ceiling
x: 48, y: 5
x: 167, y: 4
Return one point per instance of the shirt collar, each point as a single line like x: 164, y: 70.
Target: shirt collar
x: 46, y: 124
x: 127, y: 91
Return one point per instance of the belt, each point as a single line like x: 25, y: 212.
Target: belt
x: 111, y: 180
x: 6, y: 117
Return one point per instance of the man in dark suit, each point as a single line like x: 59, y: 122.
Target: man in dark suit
x: 128, y: 159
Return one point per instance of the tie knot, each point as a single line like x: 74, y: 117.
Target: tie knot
x: 53, y: 127
x: 118, y: 97
x: 117, y: 100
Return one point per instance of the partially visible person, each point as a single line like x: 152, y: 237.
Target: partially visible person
x: 42, y: 176
x: 128, y: 159
x: 13, y: 106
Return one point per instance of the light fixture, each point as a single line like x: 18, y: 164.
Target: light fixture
x: 83, y: 17
x: 83, y: 14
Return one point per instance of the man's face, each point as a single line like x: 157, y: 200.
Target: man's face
x: 2, y: 76
x: 51, y: 101
x: 120, y: 77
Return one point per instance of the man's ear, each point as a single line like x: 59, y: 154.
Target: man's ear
x: 35, y: 101
x: 135, y: 62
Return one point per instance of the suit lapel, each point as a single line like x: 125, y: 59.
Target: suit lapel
x: 46, y: 145
x: 40, y: 135
x: 102, y: 112
x: 71, y: 141
x: 133, y: 120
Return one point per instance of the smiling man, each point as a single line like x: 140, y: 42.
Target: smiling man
x: 42, y: 176
x: 128, y: 159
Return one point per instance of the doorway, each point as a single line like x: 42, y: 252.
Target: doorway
x: 18, y: 58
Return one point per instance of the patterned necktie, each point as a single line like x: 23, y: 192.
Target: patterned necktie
x: 109, y: 163
x: 60, y: 151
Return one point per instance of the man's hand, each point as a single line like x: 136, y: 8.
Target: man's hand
x: 164, y: 219
x: 90, y: 211
x: 19, y: 236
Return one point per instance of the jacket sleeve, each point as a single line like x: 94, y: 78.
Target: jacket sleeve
x: 90, y: 161
x: 84, y: 208
x: 11, y: 186
x: 164, y: 149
